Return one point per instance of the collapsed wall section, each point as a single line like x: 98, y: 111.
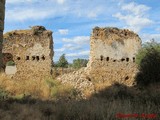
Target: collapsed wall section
x: 31, y: 51
x: 112, y: 54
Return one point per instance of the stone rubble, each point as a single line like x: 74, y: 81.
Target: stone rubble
x: 79, y: 80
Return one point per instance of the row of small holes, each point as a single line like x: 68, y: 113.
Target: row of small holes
x: 33, y: 58
x: 107, y: 59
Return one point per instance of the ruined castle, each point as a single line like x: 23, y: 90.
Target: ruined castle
x: 31, y: 51
x: 112, y: 59
x: 112, y: 54
x: 2, y: 12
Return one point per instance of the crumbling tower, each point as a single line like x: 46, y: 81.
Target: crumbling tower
x: 112, y: 54
x: 2, y: 14
x: 32, y: 52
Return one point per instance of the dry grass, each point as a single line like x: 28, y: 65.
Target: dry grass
x: 103, y: 105
x: 100, y: 107
x: 61, y: 91
x: 61, y: 71
x: 37, y: 88
x: 44, y: 89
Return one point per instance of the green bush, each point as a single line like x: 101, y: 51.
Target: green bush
x: 10, y: 63
x: 3, y: 94
x: 78, y: 63
x: 146, y: 48
x: 148, y: 60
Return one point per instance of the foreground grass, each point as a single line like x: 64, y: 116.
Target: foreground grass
x: 93, y: 109
x: 49, y: 100
x: 44, y: 89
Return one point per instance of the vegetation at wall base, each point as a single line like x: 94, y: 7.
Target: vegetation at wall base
x: 60, y: 91
x: 10, y: 63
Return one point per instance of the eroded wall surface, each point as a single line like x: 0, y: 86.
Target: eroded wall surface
x: 31, y: 50
x: 2, y: 14
x: 112, y: 54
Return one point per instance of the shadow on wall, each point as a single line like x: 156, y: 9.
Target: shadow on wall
x: 6, y: 58
x: 9, y: 65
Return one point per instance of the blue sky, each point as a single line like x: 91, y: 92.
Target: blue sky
x: 72, y: 20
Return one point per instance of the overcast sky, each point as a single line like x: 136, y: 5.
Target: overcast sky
x: 72, y: 20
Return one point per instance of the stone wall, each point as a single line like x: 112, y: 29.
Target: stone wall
x: 31, y: 50
x: 2, y: 14
x: 112, y: 59
x: 112, y: 55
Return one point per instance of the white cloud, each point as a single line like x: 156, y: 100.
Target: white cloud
x: 94, y: 12
x: 18, y: 1
x: 134, y: 15
x: 32, y: 14
x: 72, y: 47
x: 77, y: 40
x: 61, y: 1
x: 53, y: 8
x: 136, y: 9
x: 158, y: 29
x: 60, y: 49
x: 33, y: 10
x: 148, y: 37
x: 32, y: 1
x: 67, y: 47
x: 83, y: 53
x: 63, y: 31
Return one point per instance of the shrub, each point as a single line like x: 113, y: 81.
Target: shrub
x: 146, y: 48
x: 78, y: 63
x: 148, y: 60
x: 3, y: 93
x: 10, y: 63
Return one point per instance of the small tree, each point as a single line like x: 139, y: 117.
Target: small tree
x: 148, y: 60
x: 62, y: 61
x: 146, y: 48
x: 78, y: 63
